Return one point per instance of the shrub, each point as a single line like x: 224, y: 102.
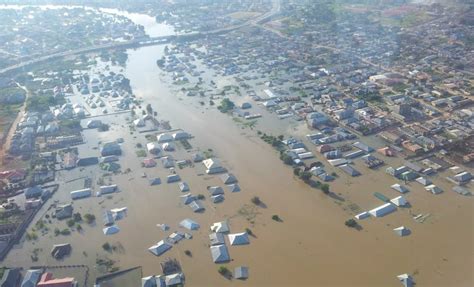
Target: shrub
x: 351, y: 223
x: 223, y: 270
x: 256, y: 200
x: 188, y: 253
x: 90, y: 218
x: 296, y: 171
x: 226, y: 105
x: 107, y: 247
x: 70, y: 223
x: 305, y: 176
x: 325, y: 188
x: 77, y: 217
x: 276, y: 217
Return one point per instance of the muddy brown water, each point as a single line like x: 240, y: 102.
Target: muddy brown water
x: 311, y: 247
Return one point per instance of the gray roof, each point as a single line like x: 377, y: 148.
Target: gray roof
x: 31, y: 278
x: 234, y: 187
x: 187, y: 198
x: 349, y: 170
x: 216, y: 238
x: 219, y: 253
x: 217, y: 198
x: 189, y: 224
x: 155, y: 181
x: 10, y: 278
x: 239, y: 238
x: 228, y: 178
x: 241, y: 272
x: 215, y: 190
x: 160, y: 248
x: 196, y: 206
x: 183, y: 186
x: 172, y: 178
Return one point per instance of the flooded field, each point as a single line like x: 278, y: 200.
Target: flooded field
x: 310, y: 247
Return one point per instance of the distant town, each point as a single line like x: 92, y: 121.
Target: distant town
x: 236, y: 143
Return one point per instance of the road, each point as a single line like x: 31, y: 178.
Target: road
x: 276, y: 6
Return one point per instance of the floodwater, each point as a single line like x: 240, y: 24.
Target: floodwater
x: 311, y: 247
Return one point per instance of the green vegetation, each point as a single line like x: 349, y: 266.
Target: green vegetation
x: 186, y: 144
x: 140, y: 153
x: 256, y: 200
x: 188, y: 253
x: 276, y: 218
x: 226, y: 106
x: 41, y: 103
x: 107, y: 247
x: 296, y: 171
x: 274, y: 141
x: 351, y: 223
x: 72, y: 125
x: 286, y: 158
x: 325, y: 188
x: 30, y: 236
x: 223, y: 270
x: 305, y: 176
x: 90, y: 218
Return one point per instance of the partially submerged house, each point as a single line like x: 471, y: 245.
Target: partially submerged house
x: 164, y: 137
x: 219, y: 253
x: 383, y: 210
x: 399, y: 201
x: 196, y: 206
x: 234, y: 187
x: 110, y: 148
x: 213, y: 166
x: 160, y: 248
x: 228, y: 178
x: 173, y: 178
x: 399, y: 188
x: 155, y: 181
x: 402, y: 231
x: 189, y: 224
x: 241, y: 272
x: 59, y: 251
x: 220, y: 227
x: 239, y: 238
x: 215, y: 190
x: 111, y: 230
x: 183, y: 186
x: 406, y: 280
x: 216, y: 238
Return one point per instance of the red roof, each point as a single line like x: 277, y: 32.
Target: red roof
x: 48, y: 281
x: 13, y: 174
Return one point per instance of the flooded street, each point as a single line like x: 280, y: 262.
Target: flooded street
x: 310, y: 247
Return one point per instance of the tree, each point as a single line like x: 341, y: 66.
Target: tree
x: 325, y: 188
x: 149, y: 109
x: 285, y: 158
x: 223, y: 270
x: 226, y: 105
x: 296, y: 171
x: 351, y: 223
x: 90, y: 218
x: 305, y: 176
